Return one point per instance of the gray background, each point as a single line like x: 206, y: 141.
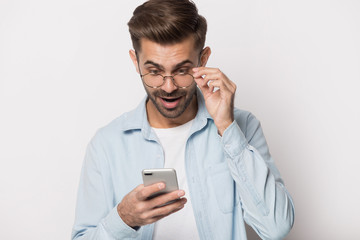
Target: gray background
x: 65, y: 72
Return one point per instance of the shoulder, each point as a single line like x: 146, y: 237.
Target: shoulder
x: 245, y: 119
x: 116, y: 128
x: 243, y: 116
x: 132, y: 120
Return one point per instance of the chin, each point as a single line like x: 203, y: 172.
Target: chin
x: 171, y: 113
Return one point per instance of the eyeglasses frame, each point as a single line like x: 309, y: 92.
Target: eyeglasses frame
x: 164, y: 77
x: 164, y: 80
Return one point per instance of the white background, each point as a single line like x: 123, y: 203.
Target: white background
x: 65, y: 72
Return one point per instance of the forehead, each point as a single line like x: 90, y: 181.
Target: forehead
x: 167, y: 55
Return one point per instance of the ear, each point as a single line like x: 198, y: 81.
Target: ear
x: 134, y: 60
x: 205, y: 54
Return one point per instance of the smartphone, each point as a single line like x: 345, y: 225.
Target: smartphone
x: 165, y: 175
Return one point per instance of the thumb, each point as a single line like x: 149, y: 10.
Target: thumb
x: 202, y: 84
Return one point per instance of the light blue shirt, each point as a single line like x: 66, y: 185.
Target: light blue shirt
x: 232, y: 179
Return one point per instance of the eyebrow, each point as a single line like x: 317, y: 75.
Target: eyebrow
x: 161, y: 67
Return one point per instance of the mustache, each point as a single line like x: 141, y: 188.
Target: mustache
x: 176, y: 94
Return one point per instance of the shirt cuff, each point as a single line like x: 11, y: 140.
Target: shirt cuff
x: 233, y: 140
x: 117, y: 227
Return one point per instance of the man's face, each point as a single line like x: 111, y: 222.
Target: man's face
x: 170, y: 100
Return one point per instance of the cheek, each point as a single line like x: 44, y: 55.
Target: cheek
x: 148, y: 91
x: 151, y: 92
x: 192, y: 90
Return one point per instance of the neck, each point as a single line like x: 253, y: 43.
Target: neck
x: 157, y: 120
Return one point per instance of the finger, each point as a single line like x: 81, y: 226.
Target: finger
x: 157, y: 218
x: 213, y: 75
x: 211, y: 89
x: 203, y: 80
x: 220, y: 85
x: 165, y: 198
x: 209, y: 77
x: 168, y: 209
x: 147, y: 191
x: 224, y: 86
x: 209, y: 82
x: 218, y: 75
x: 205, y: 70
x: 155, y: 214
x: 202, y: 84
x: 165, y: 215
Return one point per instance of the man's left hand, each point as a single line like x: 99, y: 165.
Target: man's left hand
x: 219, y: 103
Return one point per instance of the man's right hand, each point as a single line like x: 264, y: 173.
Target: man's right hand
x: 137, y: 210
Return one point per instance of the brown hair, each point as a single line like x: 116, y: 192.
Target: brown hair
x: 167, y: 22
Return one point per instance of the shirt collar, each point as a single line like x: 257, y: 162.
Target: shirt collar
x: 137, y: 119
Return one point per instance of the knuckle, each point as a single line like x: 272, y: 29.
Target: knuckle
x: 139, y: 195
x: 144, y: 216
x: 142, y: 194
x: 139, y: 208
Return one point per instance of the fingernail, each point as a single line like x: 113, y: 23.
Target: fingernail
x: 161, y: 185
x: 195, y: 69
x: 181, y: 193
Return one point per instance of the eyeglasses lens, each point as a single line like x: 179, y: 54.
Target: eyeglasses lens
x: 180, y: 80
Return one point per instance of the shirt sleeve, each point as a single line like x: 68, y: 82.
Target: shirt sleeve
x: 96, y: 216
x: 267, y: 206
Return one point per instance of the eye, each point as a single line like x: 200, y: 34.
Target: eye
x: 154, y: 71
x: 182, y: 71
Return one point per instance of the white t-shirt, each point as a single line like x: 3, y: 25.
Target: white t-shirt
x: 179, y: 225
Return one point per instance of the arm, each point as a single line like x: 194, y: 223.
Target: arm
x: 268, y: 208
x: 96, y: 215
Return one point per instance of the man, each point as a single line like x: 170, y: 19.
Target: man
x: 187, y: 122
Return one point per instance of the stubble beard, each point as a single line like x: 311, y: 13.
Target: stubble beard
x: 177, y: 111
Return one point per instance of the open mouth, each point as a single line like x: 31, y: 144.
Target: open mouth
x: 170, y: 99
x: 170, y: 102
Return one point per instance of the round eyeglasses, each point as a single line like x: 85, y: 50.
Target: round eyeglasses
x: 155, y: 80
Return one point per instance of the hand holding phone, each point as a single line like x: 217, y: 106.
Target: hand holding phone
x: 139, y: 207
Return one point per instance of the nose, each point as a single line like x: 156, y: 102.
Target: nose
x: 169, y: 85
